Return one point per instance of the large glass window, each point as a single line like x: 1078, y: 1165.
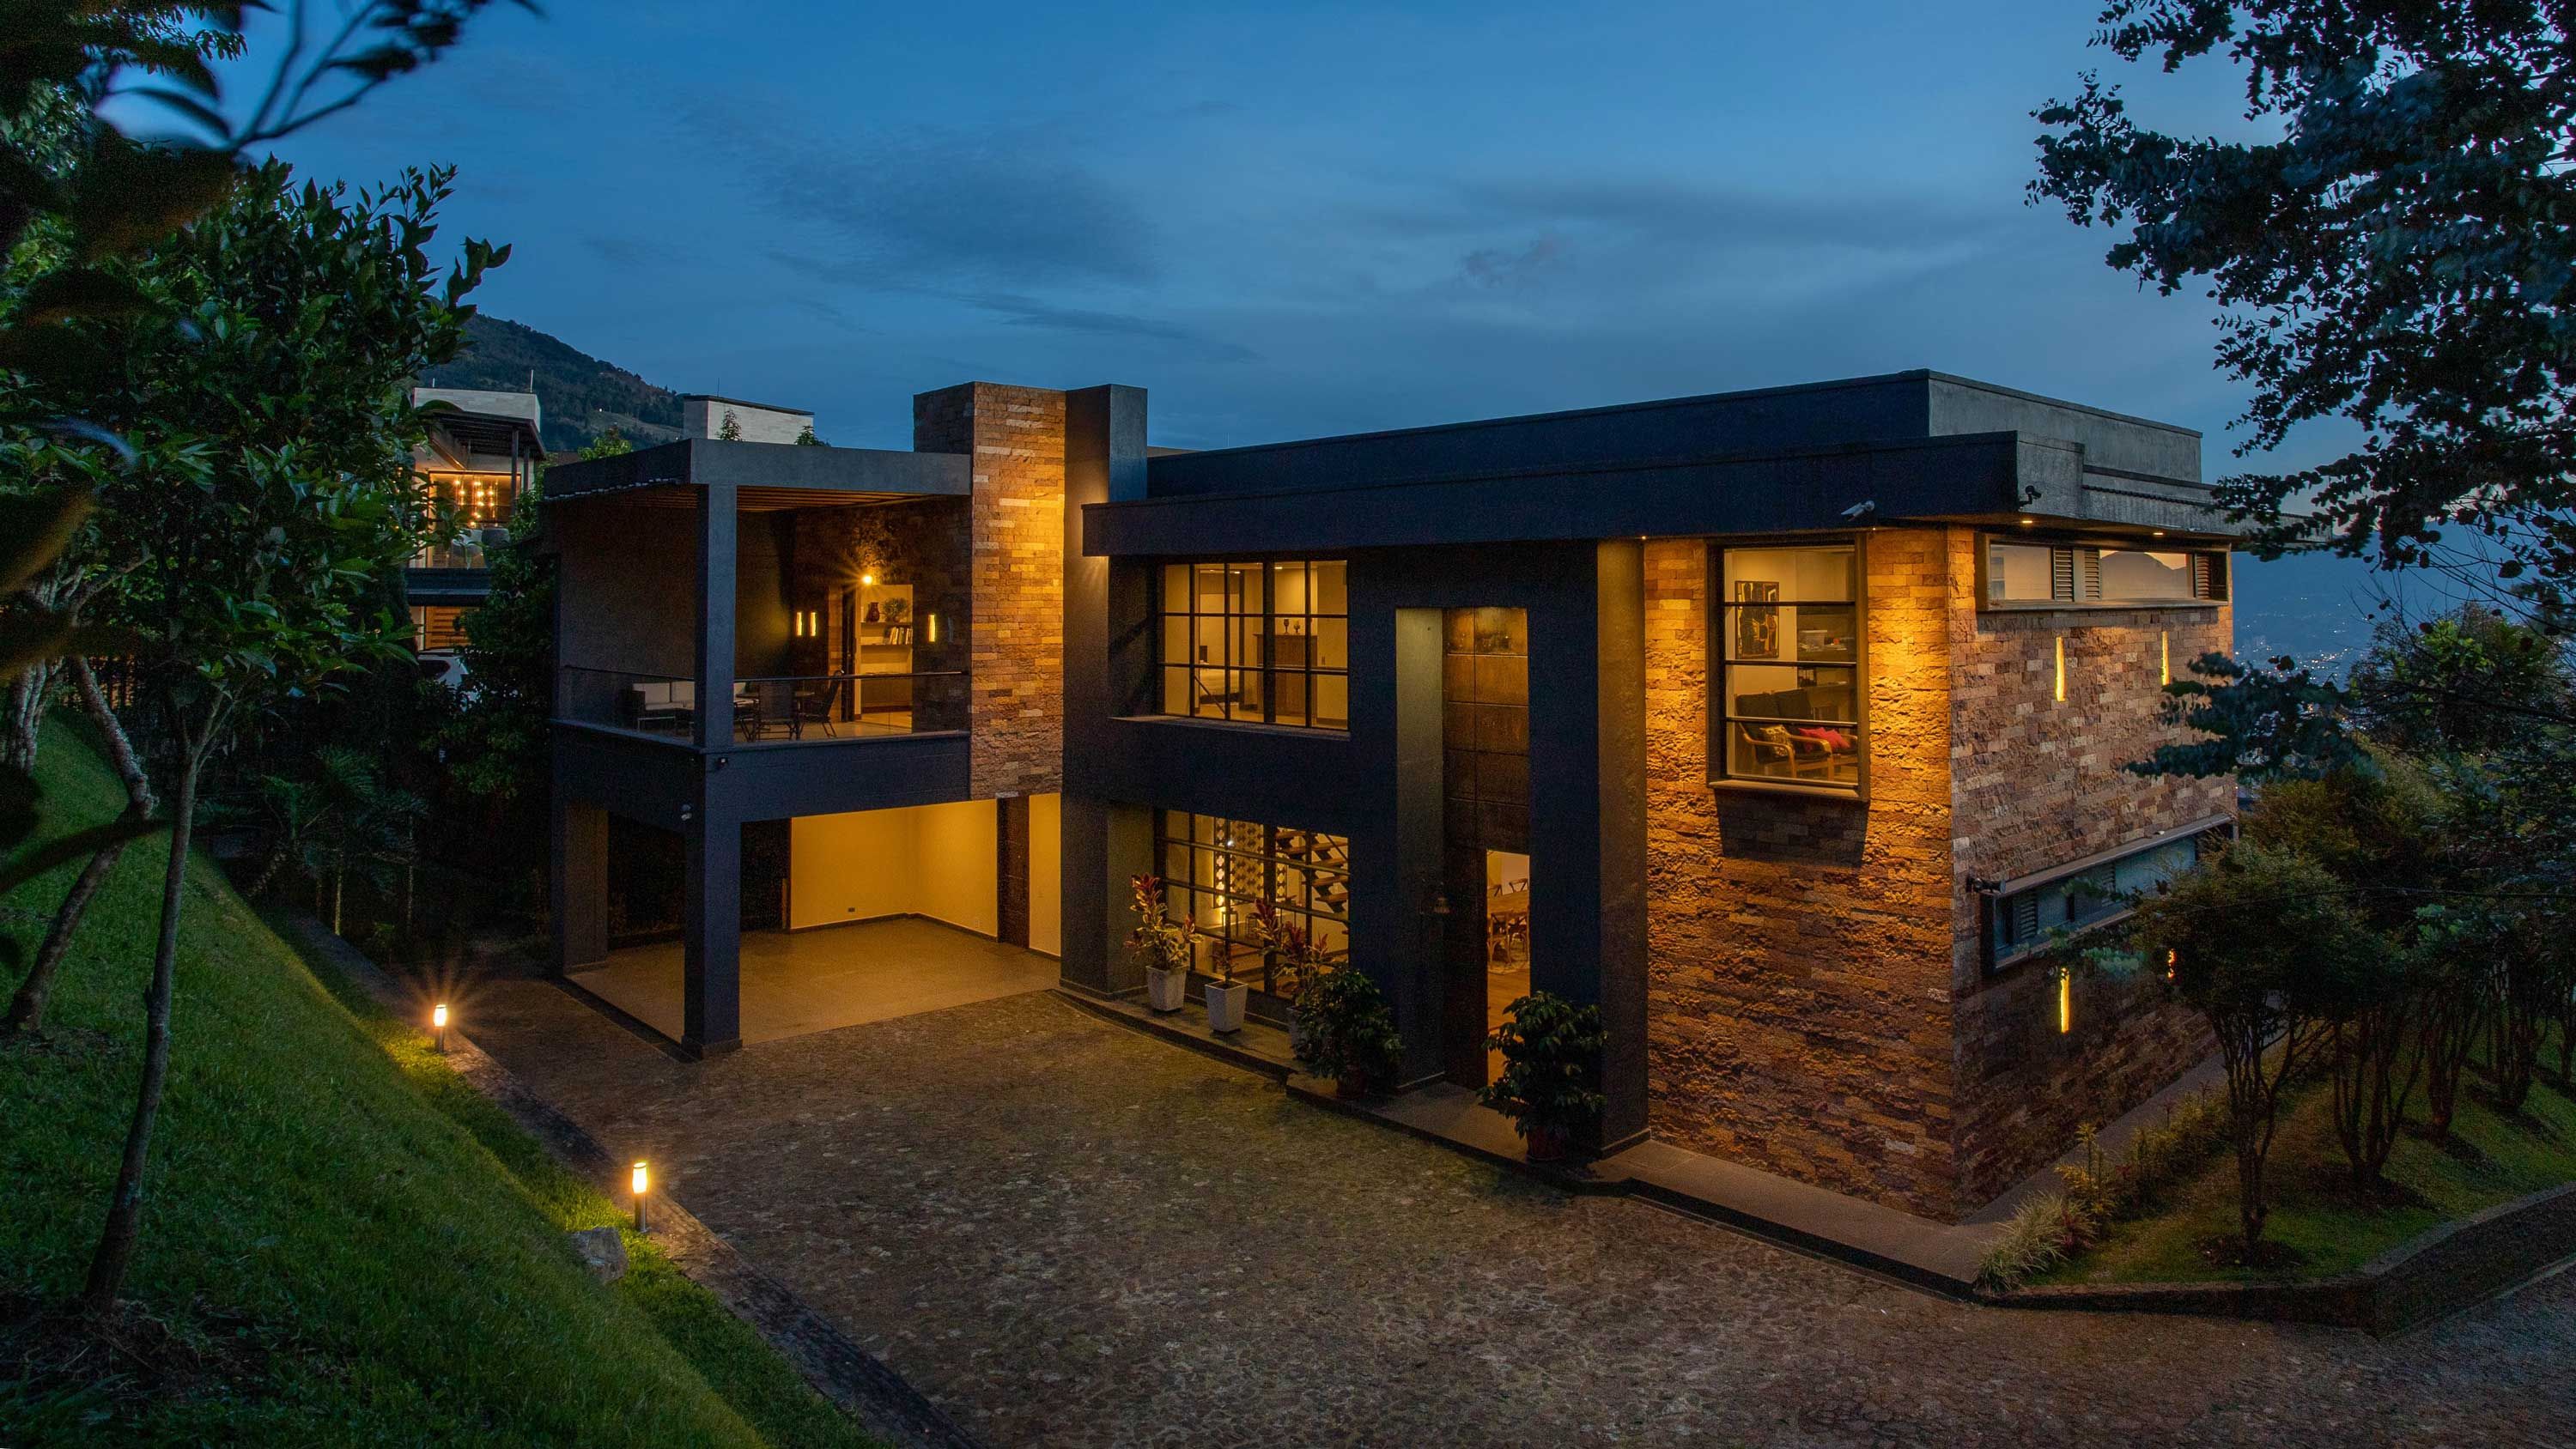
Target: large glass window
x: 2079, y: 900
x: 2045, y: 573
x: 1259, y: 640
x: 1217, y: 870
x: 1788, y: 706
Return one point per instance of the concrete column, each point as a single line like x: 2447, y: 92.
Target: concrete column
x: 1588, y: 824
x: 715, y: 615
x: 1105, y: 845
x: 711, y: 972
x: 1011, y: 870
x: 580, y: 885
x: 1107, y: 650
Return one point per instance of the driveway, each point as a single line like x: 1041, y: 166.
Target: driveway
x: 1070, y: 1234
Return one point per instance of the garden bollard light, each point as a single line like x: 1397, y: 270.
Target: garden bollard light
x: 641, y: 1185
x: 438, y: 1024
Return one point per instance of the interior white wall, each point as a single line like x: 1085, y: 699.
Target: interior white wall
x: 928, y: 860
x: 1046, y: 874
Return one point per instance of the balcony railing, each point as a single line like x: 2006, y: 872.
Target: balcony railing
x: 778, y: 709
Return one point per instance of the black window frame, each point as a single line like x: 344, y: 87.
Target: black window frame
x: 2075, y: 572
x: 1721, y: 626
x: 1264, y: 867
x: 1999, y: 900
x: 1271, y: 673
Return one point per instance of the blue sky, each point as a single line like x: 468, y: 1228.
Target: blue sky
x: 1289, y: 220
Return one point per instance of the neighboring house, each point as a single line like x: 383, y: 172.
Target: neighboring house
x: 1784, y: 725
x: 481, y: 454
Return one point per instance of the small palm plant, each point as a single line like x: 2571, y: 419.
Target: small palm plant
x: 345, y: 817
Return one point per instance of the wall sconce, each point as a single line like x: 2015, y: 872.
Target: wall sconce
x: 2164, y: 655
x: 438, y: 1024
x: 930, y: 626
x: 867, y: 581
x: 642, y: 1184
x: 2061, y: 669
x: 2065, y: 1018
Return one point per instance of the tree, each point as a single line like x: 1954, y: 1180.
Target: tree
x: 2264, y: 945
x: 265, y: 391
x: 2393, y: 250
x: 730, y: 430
x: 806, y: 438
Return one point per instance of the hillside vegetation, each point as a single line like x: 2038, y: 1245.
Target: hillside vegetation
x: 583, y: 397
x: 344, y: 1244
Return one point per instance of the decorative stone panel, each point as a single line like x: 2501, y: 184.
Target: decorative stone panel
x: 2038, y: 783
x: 1800, y: 949
x: 1015, y: 436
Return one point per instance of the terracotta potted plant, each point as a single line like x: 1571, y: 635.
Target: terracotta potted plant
x: 1163, y: 944
x: 1550, y: 1049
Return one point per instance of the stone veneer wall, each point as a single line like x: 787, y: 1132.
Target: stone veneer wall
x: 2038, y: 783
x: 1016, y: 438
x: 1800, y: 950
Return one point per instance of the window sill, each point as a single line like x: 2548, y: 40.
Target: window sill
x: 1239, y: 726
x: 2092, y: 606
x: 1855, y: 794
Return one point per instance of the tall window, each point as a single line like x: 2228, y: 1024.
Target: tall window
x: 1788, y: 688
x: 1262, y: 641
x: 2079, y: 899
x: 1216, y: 870
x: 2045, y: 573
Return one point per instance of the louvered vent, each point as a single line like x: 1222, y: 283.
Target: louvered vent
x: 2061, y: 573
x: 2091, y: 558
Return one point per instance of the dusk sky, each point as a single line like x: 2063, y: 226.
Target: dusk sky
x: 1286, y: 221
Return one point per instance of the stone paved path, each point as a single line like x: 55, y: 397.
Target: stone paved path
x: 1072, y: 1235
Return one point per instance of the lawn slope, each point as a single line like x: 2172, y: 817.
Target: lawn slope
x: 344, y: 1244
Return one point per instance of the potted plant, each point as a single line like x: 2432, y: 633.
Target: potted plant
x: 1341, y: 1026
x: 1549, y: 1046
x: 1163, y: 944
x: 1225, y: 995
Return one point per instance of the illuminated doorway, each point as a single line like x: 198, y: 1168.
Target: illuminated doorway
x: 1507, y: 940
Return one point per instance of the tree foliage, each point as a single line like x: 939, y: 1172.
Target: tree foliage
x: 2393, y: 248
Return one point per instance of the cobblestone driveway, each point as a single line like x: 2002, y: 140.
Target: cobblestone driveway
x: 1072, y: 1235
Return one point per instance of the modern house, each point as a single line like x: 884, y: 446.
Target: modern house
x: 1784, y: 725
x: 482, y: 452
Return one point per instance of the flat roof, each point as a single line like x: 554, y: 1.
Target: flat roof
x: 775, y: 474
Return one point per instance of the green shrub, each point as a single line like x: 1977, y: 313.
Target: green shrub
x: 1550, y: 1049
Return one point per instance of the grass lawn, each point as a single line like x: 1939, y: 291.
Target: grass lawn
x: 2494, y: 1159
x: 343, y: 1243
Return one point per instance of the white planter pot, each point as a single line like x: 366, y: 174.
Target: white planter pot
x: 1225, y: 1006
x: 1166, y: 990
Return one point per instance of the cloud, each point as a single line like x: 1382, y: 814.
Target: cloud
x: 1500, y: 268
x: 904, y: 207
x: 1020, y: 311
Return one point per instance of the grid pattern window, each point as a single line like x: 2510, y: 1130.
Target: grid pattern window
x: 1263, y: 641
x: 1788, y: 622
x: 478, y: 501
x: 2023, y: 921
x: 1216, y: 870
x: 2045, y: 573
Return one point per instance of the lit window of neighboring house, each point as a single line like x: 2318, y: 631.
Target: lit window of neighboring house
x: 1261, y: 641
x: 2023, y: 914
x: 1788, y: 706
x: 2043, y: 574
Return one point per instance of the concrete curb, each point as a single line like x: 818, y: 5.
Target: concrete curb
x: 2450, y: 1268
x: 857, y: 1381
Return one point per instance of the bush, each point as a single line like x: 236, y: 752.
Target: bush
x: 1348, y: 1031
x: 2035, y: 1240
x: 1550, y: 1047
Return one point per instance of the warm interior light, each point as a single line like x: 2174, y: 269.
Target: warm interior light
x: 2027, y: 522
x: 867, y: 580
x: 2160, y: 533
x: 2170, y: 959
x: 2061, y: 669
x: 2065, y: 1003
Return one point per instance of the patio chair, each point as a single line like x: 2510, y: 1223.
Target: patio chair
x: 817, y: 706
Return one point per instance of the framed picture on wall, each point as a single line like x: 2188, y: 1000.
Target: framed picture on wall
x: 1757, y: 619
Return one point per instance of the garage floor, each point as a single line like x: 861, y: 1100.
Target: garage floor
x: 796, y: 983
